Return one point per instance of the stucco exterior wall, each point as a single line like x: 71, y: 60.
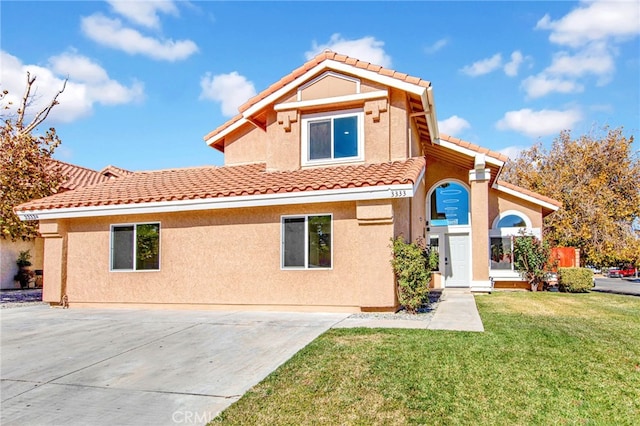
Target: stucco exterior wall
x: 399, y: 126
x: 232, y: 258
x: 328, y: 86
x: 246, y: 145
x: 501, y: 202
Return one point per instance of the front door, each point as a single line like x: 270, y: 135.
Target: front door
x: 457, y: 260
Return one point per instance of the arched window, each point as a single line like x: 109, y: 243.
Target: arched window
x: 449, y: 205
x: 511, y: 221
x: 506, y: 228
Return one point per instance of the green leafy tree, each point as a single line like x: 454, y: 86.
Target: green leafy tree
x: 25, y: 170
x: 596, y: 179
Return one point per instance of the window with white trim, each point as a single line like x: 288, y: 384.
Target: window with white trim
x: 507, y: 227
x: 135, y: 247
x: 307, y: 242
x: 332, y: 137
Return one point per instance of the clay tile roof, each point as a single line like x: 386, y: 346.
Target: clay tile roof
x: 228, y: 181
x: 530, y: 193
x: 474, y: 147
x: 77, y: 176
x: 318, y: 59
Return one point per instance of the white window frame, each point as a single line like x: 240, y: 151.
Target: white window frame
x: 304, y: 136
x: 511, y: 233
x: 448, y: 228
x: 306, y: 242
x: 135, y: 235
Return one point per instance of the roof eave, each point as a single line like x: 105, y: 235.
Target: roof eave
x: 406, y: 190
x: 544, y: 204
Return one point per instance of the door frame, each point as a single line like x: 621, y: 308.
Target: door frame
x: 441, y: 233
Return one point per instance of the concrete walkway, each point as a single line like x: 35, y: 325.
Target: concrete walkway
x: 456, y: 310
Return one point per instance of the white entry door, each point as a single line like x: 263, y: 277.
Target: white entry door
x: 457, y: 261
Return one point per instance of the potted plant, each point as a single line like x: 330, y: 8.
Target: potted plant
x: 24, y: 275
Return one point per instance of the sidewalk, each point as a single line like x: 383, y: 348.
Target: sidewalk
x: 456, y: 310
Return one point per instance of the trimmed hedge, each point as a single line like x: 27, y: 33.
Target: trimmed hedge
x: 575, y: 280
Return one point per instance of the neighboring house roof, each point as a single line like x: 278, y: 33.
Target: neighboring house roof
x: 422, y: 107
x: 77, y: 176
x: 202, y: 187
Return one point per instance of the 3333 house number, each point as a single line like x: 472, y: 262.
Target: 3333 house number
x: 398, y: 193
x: 30, y: 217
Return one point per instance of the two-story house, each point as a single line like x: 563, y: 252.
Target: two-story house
x: 322, y: 169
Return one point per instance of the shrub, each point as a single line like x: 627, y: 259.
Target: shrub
x: 531, y: 258
x: 575, y: 280
x: 412, y: 264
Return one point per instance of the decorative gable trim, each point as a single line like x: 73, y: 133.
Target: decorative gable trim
x: 338, y: 101
x: 285, y: 118
x: 330, y: 64
x: 324, y: 75
x: 375, y: 108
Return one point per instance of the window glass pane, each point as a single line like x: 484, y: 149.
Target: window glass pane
x: 434, y: 244
x: 319, y: 241
x: 122, y: 247
x: 449, y: 205
x: 319, y: 139
x: 147, y: 246
x: 501, y: 255
x: 511, y: 221
x: 345, y: 137
x: 293, y: 242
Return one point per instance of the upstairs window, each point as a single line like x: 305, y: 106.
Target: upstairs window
x: 332, y: 137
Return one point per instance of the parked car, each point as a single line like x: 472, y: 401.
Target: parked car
x: 628, y: 271
x: 625, y: 271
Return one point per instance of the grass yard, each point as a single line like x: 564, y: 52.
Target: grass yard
x: 545, y: 358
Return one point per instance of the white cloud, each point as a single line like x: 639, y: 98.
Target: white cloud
x: 566, y: 69
x: 88, y: 84
x: 593, y: 21
x: 541, y: 85
x: 511, y: 67
x: 512, y: 151
x: 77, y: 67
x: 436, y: 46
x: 539, y: 123
x: 231, y: 90
x: 484, y: 66
x: 594, y: 59
x: 453, y: 125
x: 366, y: 49
x: 111, y: 33
x: 143, y: 12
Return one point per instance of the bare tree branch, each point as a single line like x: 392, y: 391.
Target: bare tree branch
x: 25, y: 98
x: 42, y: 115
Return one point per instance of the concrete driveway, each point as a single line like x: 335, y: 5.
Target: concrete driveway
x: 140, y: 367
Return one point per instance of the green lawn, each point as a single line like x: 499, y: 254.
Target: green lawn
x: 545, y: 358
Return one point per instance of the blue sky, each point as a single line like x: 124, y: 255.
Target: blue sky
x: 148, y: 79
